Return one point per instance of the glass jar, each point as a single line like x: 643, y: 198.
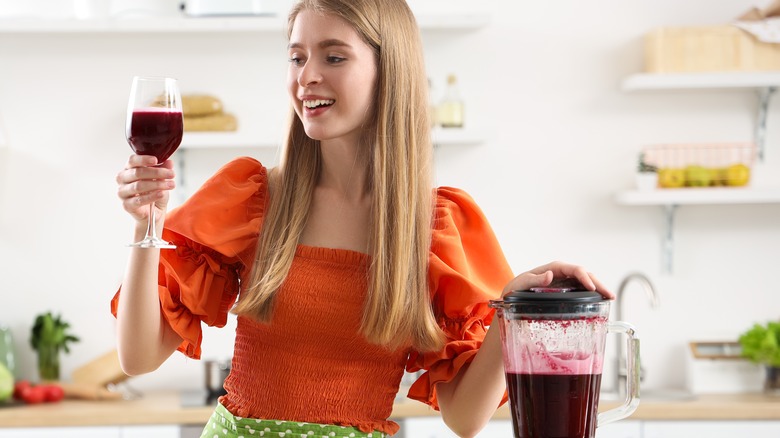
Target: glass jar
x: 7, y: 349
x: 772, y: 380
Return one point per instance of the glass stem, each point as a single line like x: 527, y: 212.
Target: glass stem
x: 151, y: 232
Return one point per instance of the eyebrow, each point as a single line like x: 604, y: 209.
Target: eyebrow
x: 323, y: 45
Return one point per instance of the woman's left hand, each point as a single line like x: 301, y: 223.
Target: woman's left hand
x: 544, y: 275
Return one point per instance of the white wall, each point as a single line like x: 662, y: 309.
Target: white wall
x: 542, y: 81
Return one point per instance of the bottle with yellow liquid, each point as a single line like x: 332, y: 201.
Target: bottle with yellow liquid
x: 450, y: 110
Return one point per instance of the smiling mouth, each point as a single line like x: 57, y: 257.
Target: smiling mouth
x: 318, y: 103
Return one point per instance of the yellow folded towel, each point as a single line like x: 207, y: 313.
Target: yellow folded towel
x: 200, y: 105
x: 214, y: 122
x: 196, y: 105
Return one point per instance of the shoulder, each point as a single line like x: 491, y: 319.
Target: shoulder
x: 242, y: 168
x: 242, y: 180
x: 445, y: 195
x: 232, y: 197
x: 455, y: 207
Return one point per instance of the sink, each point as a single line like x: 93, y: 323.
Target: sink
x: 651, y: 395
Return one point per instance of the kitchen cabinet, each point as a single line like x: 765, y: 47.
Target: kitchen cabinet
x: 435, y: 428
x: 165, y: 431
x: 621, y: 429
x: 168, y: 431
x: 764, y: 84
x: 710, y: 429
x: 60, y: 432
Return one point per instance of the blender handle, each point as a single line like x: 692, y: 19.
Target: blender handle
x: 632, y: 370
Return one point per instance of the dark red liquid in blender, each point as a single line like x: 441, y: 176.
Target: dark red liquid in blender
x: 554, y: 405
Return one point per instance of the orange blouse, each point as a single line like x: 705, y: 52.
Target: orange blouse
x: 310, y: 363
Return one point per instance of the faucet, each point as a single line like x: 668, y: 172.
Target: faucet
x: 652, y: 295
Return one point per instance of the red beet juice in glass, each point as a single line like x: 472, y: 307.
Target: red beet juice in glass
x: 553, y: 343
x: 155, y: 131
x: 555, y: 394
x: 554, y: 405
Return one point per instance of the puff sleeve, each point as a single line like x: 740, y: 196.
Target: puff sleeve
x: 215, y: 232
x: 467, y: 268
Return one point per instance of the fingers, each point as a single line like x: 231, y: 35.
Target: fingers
x: 140, y: 167
x: 140, y: 190
x: 545, y: 275
x: 527, y: 280
x: 136, y: 160
x: 133, y: 204
x: 602, y: 289
x: 143, y: 181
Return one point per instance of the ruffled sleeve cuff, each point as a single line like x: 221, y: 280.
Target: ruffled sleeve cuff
x: 215, y: 233
x: 467, y: 268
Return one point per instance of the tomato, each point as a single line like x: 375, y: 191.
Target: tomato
x: 52, y: 392
x: 33, y: 394
x: 19, y: 387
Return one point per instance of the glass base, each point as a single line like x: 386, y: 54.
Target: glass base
x: 152, y: 242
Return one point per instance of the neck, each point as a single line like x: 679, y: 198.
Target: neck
x: 344, y: 169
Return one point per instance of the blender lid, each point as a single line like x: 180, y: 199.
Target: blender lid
x: 539, y: 295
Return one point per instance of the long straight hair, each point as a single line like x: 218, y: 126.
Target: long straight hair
x: 397, y: 312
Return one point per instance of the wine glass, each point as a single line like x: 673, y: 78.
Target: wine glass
x: 154, y: 127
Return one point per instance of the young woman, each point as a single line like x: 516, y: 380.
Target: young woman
x: 344, y: 265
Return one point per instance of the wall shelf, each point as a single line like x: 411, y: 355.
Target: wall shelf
x: 691, y: 81
x: 237, y: 139
x: 180, y: 24
x: 671, y: 199
x: 763, y: 83
x: 241, y: 139
x: 699, y: 196
x: 456, y: 137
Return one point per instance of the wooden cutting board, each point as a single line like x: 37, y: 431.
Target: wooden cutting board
x: 101, y: 371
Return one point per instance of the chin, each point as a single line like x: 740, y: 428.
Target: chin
x: 316, y: 134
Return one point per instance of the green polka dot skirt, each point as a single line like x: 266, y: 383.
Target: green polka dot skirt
x: 223, y: 424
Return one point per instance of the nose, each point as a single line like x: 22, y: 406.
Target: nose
x: 309, y: 75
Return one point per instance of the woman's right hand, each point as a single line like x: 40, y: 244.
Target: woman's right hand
x: 143, y: 182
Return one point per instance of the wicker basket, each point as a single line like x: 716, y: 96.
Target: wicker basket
x: 702, y: 164
x: 707, y: 48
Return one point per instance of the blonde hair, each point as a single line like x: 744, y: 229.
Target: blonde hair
x: 397, y: 311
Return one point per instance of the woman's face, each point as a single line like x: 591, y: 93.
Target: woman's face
x: 331, y: 77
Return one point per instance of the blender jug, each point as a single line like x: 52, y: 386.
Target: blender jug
x: 553, y: 344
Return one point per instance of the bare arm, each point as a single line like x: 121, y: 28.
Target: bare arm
x: 469, y: 400
x: 144, y: 338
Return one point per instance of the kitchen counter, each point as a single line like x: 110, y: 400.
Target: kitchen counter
x: 165, y: 408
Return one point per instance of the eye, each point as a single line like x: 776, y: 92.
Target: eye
x: 296, y: 61
x: 335, y: 59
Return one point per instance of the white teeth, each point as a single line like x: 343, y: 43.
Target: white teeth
x: 317, y: 102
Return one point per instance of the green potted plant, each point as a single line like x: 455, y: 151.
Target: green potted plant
x: 761, y: 344
x: 50, y: 335
x: 646, y: 174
